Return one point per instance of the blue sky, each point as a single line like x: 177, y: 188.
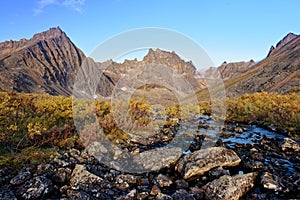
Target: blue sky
x: 228, y: 30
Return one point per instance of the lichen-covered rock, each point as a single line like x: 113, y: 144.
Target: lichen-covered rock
x: 161, y: 196
x: 130, y: 196
x: 181, y: 184
x: 20, y: 178
x: 61, y: 175
x: 289, y: 145
x: 270, y: 182
x: 229, y: 187
x: 201, y: 161
x: 155, y: 159
x: 36, y: 188
x: 163, y: 181
x: 155, y: 190
x: 82, y: 179
x: 182, y: 194
x: 197, y: 192
x: 71, y: 194
x: 124, y: 181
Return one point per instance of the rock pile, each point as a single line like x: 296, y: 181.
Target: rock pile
x: 261, y: 170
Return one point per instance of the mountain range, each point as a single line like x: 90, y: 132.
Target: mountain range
x: 50, y: 61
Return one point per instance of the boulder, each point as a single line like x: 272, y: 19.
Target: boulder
x: 161, y: 196
x: 82, y: 179
x: 201, y: 161
x: 163, y: 181
x: 124, y: 181
x: 289, y: 145
x: 229, y: 187
x: 155, y: 159
x: 270, y: 182
x: 35, y: 188
x: 20, y: 178
x: 181, y: 184
x: 61, y: 175
x: 182, y: 194
x: 155, y: 190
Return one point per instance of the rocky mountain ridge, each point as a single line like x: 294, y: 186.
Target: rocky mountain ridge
x: 279, y: 72
x: 289, y: 37
x: 49, y: 62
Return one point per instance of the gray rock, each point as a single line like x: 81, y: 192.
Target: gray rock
x: 71, y: 194
x: 155, y: 190
x: 229, y: 187
x: 289, y: 145
x: 201, y: 161
x: 20, y: 178
x: 125, y: 181
x: 7, y: 193
x: 60, y: 162
x: 44, y: 169
x: 61, y: 175
x: 161, y: 196
x: 142, y: 195
x: 82, y: 179
x: 217, y: 172
x: 181, y: 184
x: 155, y: 159
x: 163, y: 181
x: 182, y: 194
x: 36, y: 188
x: 130, y: 196
x: 270, y: 182
x: 197, y: 192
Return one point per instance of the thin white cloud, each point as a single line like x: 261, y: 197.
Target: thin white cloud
x: 76, y: 5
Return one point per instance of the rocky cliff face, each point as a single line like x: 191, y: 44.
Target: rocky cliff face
x: 46, y: 63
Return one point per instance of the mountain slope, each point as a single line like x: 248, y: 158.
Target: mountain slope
x: 44, y: 64
x: 49, y: 63
x: 279, y: 72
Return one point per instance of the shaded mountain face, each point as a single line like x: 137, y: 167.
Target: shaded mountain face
x: 49, y: 63
x: 279, y: 72
x: 44, y: 64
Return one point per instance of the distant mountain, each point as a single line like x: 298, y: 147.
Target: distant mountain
x: 278, y: 72
x: 49, y: 62
x: 43, y: 64
x: 230, y: 70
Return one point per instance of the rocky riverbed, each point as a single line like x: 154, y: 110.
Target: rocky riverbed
x: 199, y: 159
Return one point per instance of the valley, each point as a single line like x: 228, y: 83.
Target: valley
x: 129, y: 137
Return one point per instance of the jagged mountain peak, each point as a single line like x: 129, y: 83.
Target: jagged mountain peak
x: 54, y: 32
x: 158, y: 53
x: 285, y: 40
x: 168, y: 58
x: 46, y: 63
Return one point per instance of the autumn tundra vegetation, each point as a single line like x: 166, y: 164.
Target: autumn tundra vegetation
x: 34, y: 126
